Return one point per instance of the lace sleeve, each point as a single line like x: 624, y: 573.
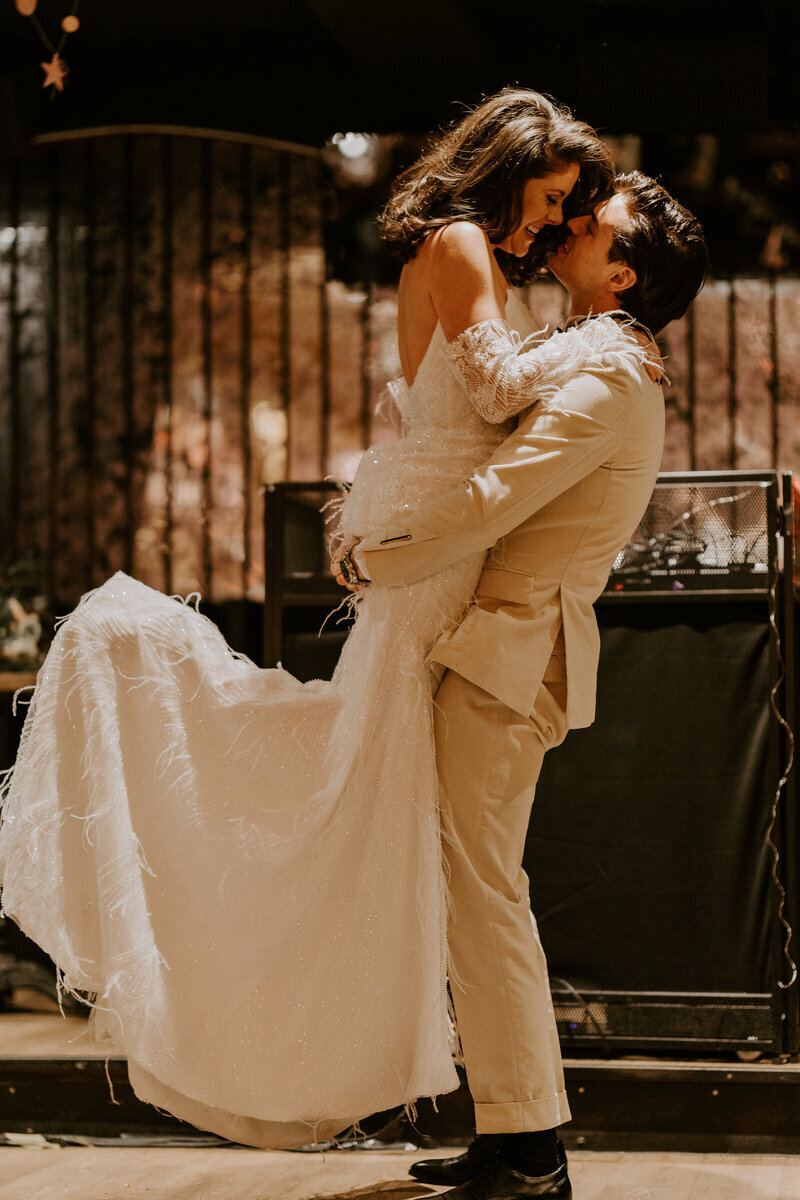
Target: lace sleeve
x: 504, y: 375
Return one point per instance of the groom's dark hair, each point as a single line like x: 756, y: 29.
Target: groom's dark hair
x: 665, y: 246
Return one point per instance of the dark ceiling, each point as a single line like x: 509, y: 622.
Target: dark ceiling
x: 301, y: 69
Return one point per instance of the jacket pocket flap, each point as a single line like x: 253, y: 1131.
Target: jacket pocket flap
x: 505, y: 585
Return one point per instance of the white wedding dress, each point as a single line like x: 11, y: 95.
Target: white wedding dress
x: 244, y: 871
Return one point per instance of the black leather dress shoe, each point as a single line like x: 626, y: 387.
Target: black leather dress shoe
x: 498, y: 1181
x: 452, y: 1171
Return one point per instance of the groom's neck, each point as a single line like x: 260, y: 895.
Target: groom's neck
x: 583, y: 303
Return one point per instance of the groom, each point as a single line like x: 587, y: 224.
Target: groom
x: 556, y: 503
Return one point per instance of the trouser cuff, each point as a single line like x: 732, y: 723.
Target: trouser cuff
x: 522, y: 1116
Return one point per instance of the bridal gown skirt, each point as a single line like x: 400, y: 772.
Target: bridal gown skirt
x: 243, y: 870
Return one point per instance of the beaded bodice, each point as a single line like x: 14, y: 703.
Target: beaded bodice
x: 438, y: 399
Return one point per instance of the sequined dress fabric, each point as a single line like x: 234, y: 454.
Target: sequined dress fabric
x: 244, y: 871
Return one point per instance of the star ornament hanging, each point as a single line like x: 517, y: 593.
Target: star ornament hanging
x: 55, y: 72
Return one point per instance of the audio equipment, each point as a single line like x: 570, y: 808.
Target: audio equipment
x: 662, y: 838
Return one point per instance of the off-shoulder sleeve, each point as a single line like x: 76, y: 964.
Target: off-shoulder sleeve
x: 504, y: 375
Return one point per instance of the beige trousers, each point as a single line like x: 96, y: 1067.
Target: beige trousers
x: 489, y: 758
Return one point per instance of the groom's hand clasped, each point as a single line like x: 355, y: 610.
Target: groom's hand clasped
x: 345, y: 569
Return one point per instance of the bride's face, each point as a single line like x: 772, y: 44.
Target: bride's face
x: 542, y: 204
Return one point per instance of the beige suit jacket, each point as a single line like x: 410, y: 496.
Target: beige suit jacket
x: 556, y: 502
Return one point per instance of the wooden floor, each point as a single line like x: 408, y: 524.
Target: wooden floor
x: 45, y: 1035
x: 106, y: 1173
x: 35, y: 1170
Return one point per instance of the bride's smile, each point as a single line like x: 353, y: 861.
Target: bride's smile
x: 542, y: 204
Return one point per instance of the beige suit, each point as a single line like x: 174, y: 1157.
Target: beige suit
x: 556, y: 502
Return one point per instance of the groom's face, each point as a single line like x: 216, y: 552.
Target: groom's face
x: 582, y: 264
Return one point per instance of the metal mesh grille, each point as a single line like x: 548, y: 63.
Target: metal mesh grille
x: 305, y: 556
x: 699, y: 537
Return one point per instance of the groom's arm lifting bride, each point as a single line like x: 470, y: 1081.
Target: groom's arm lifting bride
x: 554, y: 506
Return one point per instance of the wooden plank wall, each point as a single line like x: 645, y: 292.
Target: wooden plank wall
x: 169, y: 340
x: 733, y: 400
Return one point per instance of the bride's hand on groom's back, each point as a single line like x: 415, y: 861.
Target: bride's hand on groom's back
x: 654, y: 366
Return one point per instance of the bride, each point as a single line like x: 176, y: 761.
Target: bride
x: 242, y: 871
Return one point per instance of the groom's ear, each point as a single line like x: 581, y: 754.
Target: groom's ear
x: 624, y: 277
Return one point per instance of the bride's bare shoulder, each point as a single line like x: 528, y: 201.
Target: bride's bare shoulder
x: 462, y: 278
x: 457, y: 242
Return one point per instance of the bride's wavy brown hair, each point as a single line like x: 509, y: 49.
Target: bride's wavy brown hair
x: 478, y: 169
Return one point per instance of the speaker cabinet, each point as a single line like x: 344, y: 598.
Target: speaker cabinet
x: 660, y: 838
x: 300, y: 593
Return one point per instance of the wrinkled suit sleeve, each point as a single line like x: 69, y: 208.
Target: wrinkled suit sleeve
x: 554, y: 446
